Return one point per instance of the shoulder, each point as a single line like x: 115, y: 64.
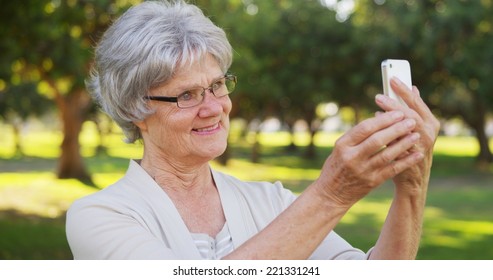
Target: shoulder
x: 133, y: 189
x: 131, y: 196
x: 109, y: 197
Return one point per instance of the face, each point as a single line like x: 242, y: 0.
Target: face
x: 191, y: 135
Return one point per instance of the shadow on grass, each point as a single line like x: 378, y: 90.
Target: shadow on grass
x: 449, y: 232
x: 32, y: 237
x: 28, y: 164
x: 480, y: 249
x: 95, y: 164
x: 99, y: 163
x: 282, y: 156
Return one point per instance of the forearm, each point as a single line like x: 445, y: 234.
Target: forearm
x: 401, y: 232
x: 295, y: 233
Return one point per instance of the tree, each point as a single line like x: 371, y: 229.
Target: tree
x: 49, y: 43
x: 286, y: 57
x: 448, y: 44
x: 459, y: 35
x: 17, y: 104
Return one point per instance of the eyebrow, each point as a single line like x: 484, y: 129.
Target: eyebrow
x: 187, y: 87
x: 181, y: 88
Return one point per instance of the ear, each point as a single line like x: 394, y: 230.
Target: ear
x: 142, y: 125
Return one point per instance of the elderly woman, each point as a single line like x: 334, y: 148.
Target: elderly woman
x: 162, y: 74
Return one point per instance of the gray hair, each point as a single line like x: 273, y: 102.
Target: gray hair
x: 143, y: 49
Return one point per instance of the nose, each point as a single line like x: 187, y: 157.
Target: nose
x: 209, y: 89
x: 211, y: 105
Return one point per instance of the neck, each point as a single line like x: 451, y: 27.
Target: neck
x: 175, y: 176
x: 192, y: 190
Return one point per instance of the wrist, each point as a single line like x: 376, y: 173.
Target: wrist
x: 328, y: 198
x: 415, y: 196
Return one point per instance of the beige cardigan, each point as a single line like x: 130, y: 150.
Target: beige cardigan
x: 135, y: 219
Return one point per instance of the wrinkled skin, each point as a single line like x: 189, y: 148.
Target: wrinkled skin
x: 396, y: 144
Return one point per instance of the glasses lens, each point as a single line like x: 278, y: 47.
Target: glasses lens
x: 224, y: 86
x: 190, y: 98
x: 230, y: 83
x: 193, y: 97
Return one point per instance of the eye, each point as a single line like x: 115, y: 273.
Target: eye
x: 186, y: 96
x: 218, y: 84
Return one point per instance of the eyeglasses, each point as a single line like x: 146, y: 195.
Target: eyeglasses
x: 193, y: 97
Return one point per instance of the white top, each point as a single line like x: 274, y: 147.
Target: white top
x: 135, y: 219
x: 214, y: 248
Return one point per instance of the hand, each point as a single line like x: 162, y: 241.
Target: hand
x: 359, y: 162
x: 414, y: 179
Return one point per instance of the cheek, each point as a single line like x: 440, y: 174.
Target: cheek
x: 175, y: 125
x: 228, y: 106
x: 166, y: 125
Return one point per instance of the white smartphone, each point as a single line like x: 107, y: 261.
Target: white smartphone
x: 395, y: 68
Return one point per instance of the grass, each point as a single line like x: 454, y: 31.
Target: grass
x: 458, y: 217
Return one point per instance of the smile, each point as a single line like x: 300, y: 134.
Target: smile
x: 207, y: 129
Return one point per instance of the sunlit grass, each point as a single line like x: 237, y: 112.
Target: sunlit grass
x: 39, y: 193
x: 265, y: 172
x: 280, y: 139
x: 457, y: 146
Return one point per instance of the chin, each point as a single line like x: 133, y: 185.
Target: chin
x: 220, y: 150
x: 213, y: 152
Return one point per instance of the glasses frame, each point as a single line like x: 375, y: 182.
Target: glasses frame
x: 174, y: 99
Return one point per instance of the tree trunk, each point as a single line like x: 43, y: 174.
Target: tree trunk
x: 485, y: 156
x: 309, y: 116
x: 478, y: 123
x: 72, y: 110
x: 291, y: 148
x: 16, y: 126
x: 100, y: 148
x: 357, y: 113
x: 310, y: 152
x: 255, y: 156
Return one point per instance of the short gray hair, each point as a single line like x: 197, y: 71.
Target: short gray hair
x: 143, y: 49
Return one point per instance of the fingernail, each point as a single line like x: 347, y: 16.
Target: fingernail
x: 380, y: 98
x: 396, y: 80
x: 415, y: 137
x: 410, y: 123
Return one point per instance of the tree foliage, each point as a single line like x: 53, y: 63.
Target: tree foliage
x: 447, y: 43
x: 48, y: 44
x: 290, y: 56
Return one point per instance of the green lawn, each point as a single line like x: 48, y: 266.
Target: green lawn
x: 459, y: 215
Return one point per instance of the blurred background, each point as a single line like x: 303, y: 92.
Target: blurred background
x: 308, y: 70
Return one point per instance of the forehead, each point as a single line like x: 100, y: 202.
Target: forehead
x: 198, y: 73
x: 205, y: 68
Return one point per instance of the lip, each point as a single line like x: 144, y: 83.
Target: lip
x: 208, y: 129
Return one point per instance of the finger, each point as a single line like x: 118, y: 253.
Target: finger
x: 426, y: 123
x: 406, y: 153
x: 411, y: 97
x: 398, y: 151
x: 368, y: 127
x: 397, y: 166
x: 383, y: 138
x: 387, y: 104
